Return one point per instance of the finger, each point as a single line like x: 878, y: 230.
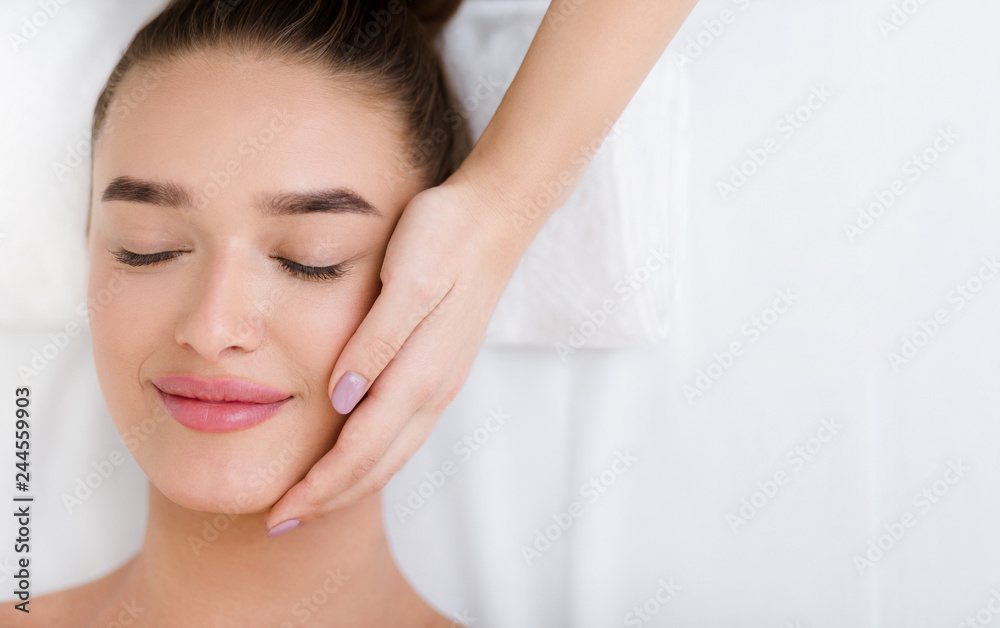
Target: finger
x: 412, y: 435
x: 380, y: 336
x: 410, y: 439
x: 365, y: 436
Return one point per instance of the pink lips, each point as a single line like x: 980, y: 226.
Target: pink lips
x: 218, y: 404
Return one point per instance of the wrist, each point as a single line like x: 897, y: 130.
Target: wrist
x: 493, y: 199
x: 518, y: 190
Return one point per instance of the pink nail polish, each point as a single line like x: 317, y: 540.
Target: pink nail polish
x: 284, y: 526
x: 348, y: 392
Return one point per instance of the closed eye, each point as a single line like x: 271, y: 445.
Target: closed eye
x: 308, y: 273
x: 138, y: 259
x: 314, y: 273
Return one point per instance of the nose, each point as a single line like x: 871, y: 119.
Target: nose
x: 222, y: 313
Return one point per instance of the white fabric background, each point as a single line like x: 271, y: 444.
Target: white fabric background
x: 792, y: 564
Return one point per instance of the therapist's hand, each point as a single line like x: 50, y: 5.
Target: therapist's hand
x: 446, y: 265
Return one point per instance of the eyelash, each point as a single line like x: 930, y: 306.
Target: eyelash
x: 308, y: 273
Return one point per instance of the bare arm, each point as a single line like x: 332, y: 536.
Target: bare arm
x: 583, y: 67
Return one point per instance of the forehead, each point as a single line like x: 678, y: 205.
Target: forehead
x: 242, y: 124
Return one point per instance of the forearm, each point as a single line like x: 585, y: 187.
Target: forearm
x: 583, y: 67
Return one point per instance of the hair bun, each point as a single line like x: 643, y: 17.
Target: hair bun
x: 433, y: 14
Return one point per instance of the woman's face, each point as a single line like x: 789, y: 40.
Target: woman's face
x: 242, y: 171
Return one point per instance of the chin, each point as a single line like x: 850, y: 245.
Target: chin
x: 206, y: 479
x: 220, y: 500
x: 235, y: 498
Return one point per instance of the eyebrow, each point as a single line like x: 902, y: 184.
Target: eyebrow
x: 168, y: 194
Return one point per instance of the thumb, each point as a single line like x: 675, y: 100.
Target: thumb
x: 396, y: 313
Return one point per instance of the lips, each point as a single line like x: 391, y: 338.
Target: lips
x: 218, y: 404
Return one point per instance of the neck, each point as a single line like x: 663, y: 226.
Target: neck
x: 208, y: 569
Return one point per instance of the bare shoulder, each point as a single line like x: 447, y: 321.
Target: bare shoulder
x: 61, y: 608
x: 69, y: 608
x: 440, y: 621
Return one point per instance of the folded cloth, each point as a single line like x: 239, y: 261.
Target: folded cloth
x: 599, y: 272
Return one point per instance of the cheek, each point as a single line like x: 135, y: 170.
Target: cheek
x: 120, y: 325
x: 312, y: 328
x: 315, y: 329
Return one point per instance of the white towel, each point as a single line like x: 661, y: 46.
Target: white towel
x: 599, y: 272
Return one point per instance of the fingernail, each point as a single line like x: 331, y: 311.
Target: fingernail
x: 348, y: 391
x: 284, y: 526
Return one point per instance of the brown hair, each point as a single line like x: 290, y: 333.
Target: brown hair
x: 384, y: 48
